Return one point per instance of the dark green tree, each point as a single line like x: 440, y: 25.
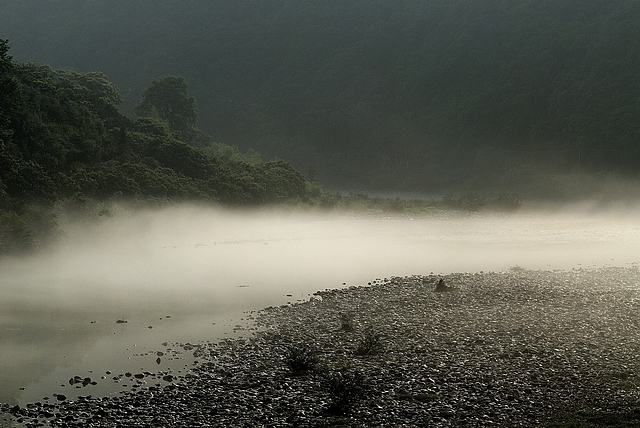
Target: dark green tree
x: 5, y: 58
x: 65, y: 145
x: 96, y: 88
x: 168, y: 99
x: 8, y: 85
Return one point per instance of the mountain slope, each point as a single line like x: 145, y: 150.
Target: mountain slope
x: 416, y: 95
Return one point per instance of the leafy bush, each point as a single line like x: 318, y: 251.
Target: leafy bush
x: 301, y: 359
x: 346, y: 322
x: 345, y: 389
x: 370, y: 344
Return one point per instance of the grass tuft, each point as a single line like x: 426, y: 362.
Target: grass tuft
x: 370, y: 344
x: 301, y: 359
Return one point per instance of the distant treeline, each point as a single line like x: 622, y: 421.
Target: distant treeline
x: 64, y: 145
x: 375, y: 94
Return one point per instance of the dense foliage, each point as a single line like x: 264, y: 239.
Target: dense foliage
x: 413, y: 95
x: 63, y: 142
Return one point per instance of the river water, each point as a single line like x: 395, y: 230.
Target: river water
x: 190, y: 274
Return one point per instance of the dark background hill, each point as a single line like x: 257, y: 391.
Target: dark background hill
x: 67, y: 151
x: 371, y: 94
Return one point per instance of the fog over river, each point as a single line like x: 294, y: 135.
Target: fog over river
x: 189, y: 274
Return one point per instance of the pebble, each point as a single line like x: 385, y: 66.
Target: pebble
x: 501, y: 347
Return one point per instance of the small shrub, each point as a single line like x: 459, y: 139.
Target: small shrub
x: 346, y: 322
x: 370, y: 344
x: 345, y: 389
x: 301, y: 359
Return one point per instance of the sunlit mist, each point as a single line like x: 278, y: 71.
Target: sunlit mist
x: 183, y: 273
x: 199, y: 257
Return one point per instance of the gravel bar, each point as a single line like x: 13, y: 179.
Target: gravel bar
x: 518, y: 348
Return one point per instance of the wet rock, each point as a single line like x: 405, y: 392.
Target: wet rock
x: 75, y: 379
x: 441, y: 286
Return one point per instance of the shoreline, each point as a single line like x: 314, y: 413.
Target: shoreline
x: 514, y: 348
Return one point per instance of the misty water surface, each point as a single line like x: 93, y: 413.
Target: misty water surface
x: 190, y: 274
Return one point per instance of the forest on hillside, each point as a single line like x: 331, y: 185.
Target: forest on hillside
x: 373, y: 94
x: 65, y: 149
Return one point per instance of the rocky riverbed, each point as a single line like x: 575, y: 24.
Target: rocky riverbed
x: 516, y: 348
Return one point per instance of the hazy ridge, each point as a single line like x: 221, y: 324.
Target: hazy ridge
x: 372, y: 94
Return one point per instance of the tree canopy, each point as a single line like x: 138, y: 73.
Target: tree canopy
x: 64, y: 142
x: 168, y: 99
x: 413, y: 95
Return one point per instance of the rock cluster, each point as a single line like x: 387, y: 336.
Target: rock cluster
x: 517, y: 348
